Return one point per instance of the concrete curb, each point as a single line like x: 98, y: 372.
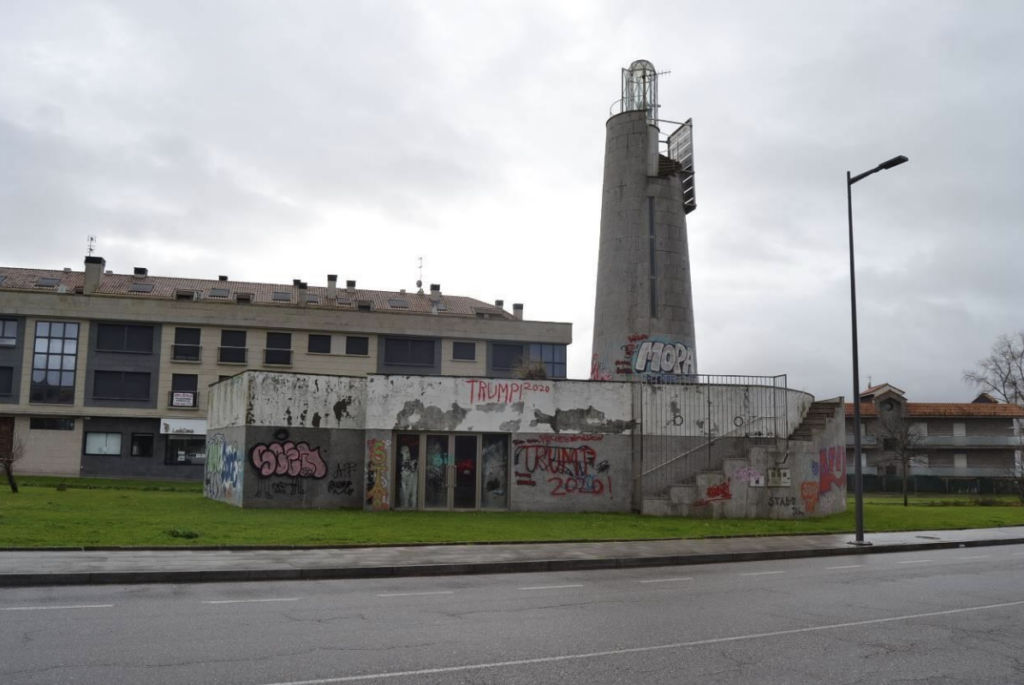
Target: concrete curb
x: 461, y: 568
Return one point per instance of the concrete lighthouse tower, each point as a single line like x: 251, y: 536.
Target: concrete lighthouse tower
x: 643, y: 320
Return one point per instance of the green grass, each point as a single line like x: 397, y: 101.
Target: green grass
x: 95, y: 513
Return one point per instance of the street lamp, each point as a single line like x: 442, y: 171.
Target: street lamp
x: 858, y: 478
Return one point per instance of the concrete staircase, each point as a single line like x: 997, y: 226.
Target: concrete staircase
x: 816, y: 418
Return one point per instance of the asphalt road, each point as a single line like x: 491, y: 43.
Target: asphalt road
x: 951, y: 616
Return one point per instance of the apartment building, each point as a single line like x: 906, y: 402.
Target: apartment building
x: 105, y: 374
x: 967, y: 447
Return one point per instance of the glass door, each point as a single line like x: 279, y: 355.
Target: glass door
x: 464, y: 483
x: 436, y: 477
x: 408, y: 471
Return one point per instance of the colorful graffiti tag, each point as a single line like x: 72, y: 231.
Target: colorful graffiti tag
x: 715, y: 493
x: 377, y: 477
x: 223, y: 470
x: 662, y: 357
x: 286, y: 459
x: 831, y: 468
x: 809, y: 494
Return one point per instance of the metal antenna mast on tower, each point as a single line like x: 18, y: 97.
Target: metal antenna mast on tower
x: 419, y: 281
x: 91, y: 245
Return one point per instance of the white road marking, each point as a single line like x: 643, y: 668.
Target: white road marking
x: 70, y: 606
x: 762, y: 573
x: 248, y: 601
x: 417, y: 594
x: 916, y: 561
x: 636, y: 650
x: 836, y: 568
x: 663, y: 580
x: 980, y: 556
x: 550, y: 587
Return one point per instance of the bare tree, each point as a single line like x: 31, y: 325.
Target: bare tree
x: 900, y: 441
x: 9, y: 457
x: 529, y: 370
x: 1002, y: 371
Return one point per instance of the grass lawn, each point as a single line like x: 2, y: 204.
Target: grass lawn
x: 132, y: 514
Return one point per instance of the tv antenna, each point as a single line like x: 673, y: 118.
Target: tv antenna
x: 90, y: 245
x: 419, y: 281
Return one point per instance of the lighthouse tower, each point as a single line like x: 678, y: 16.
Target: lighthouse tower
x: 643, y: 319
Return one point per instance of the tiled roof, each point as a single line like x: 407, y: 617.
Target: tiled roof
x: 875, y: 388
x: 262, y: 293
x: 922, y: 410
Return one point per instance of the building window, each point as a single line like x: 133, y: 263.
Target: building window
x: 408, y: 352
x: 103, y: 444
x: 505, y: 356
x: 121, y: 385
x: 232, y: 347
x: 959, y: 430
x: 142, y: 445
x: 124, y: 338
x: 920, y: 429
x: 464, y: 351
x: 186, y: 346
x: 183, y: 450
x: 8, y: 332
x: 281, y: 297
x: 6, y: 380
x: 184, y: 390
x: 53, y: 362
x: 319, y: 344
x: 960, y: 461
x: 48, y: 423
x: 551, y: 356
x: 357, y: 345
x: 279, y: 349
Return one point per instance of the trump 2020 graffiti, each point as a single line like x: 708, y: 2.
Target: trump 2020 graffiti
x: 663, y: 358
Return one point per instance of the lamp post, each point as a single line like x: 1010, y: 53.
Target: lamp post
x: 858, y: 478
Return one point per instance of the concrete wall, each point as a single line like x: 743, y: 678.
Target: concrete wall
x: 49, y: 452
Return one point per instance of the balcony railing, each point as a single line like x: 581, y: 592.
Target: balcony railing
x: 277, y: 357
x: 183, y: 400
x: 233, y: 355
x: 186, y: 353
x: 952, y: 441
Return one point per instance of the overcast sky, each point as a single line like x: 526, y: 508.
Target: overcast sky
x: 279, y: 140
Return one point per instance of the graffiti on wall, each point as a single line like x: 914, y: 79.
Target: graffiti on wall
x: 750, y: 474
x: 809, y: 494
x: 831, y: 468
x: 285, y: 459
x: 718, y: 492
x: 573, y: 468
x: 598, y: 372
x: 503, y: 392
x: 377, y: 475
x: 341, y: 482
x: 223, y: 469
x: 663, y: 358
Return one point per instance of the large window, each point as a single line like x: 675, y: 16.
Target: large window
x: 551, y: 356
x: 142, y: 445
x: 464, y: 351
x: 184, y: 390
x: 121, y: 385
x: 357, y: 345
x: 232, y: 347
x: 111, y: 337
x: 279, y: 349
x: 186, y: 345
x: 6, y: 380
x: 8, y: 332
x: 50, y: 423
x: 505, y: 356
x: 53, y: 362
x: 183, y: 450
x: 103, y: 444
x: 319, y: 344
x: 408, y: 352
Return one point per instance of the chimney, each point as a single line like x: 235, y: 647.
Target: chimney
x: 435, y: 292
x: 222, y: 278
x: 141, y: 271
x: 517, y: 311
x: 303, y: 292
x: 350, y: 286
x: 500, y: 304
x: 93, y: 274
x: 332, y: 286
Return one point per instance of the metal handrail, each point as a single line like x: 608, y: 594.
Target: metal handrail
x: 705, y: 444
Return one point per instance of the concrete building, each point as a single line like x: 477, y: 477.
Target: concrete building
x: 453, y: 443
x: 643, y: 317
x: 105, y: 374
x: 969, y: 447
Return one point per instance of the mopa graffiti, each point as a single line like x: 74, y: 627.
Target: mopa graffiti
x: 663, y: 358
x: 377, y: 476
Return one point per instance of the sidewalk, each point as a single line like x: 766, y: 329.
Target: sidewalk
x: 201, y: 566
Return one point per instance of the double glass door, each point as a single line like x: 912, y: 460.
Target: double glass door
x: 438, y: 471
